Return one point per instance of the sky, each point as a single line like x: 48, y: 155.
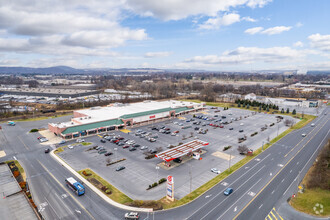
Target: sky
x: 219, y: 35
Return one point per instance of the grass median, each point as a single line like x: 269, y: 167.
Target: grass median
x: 61, y: 149
x: 116, y: 195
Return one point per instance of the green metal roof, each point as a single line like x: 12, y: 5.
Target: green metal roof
x: 178, y: 110
x: 92, y: 126
x: 152, y: 112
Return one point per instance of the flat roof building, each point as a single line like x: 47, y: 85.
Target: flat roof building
x: 117, y: 116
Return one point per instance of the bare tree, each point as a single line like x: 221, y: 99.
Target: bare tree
x: 242, y: 149
x: 108, y: 160
x: 288, y: 122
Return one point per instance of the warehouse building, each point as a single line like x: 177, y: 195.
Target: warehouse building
x: 116, y: 116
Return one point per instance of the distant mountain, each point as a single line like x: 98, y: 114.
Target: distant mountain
x: 318, y: 72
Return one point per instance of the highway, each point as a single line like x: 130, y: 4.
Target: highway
x: 258, y: 185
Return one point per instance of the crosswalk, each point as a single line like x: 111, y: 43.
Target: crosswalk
x: 273, y: 215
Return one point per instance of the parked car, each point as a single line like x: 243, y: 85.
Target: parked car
x: 102, y: 151
x: 62, y: 142
x: 215, y: 170
x: 120, y: 168
x: 228, y: 191
x: 121, y: 144
x: 144, y: 147
x: 312, y: 124
x: 173, y: 134
x: 70, y: 146
x: 221, y: 126
x: 176, y: 132
x: 167, y: 132
x: 103, y: 141
x: 136, y: 145
x: 132, y: 215
x: 43, y: 139
x: 132, y: 149
x: 177, y: 160
x: 231, y: 128
x: 152, y: 151
x: 304, y: 135
x: 152, y: 140
x: 47, y: 150
x: 126, y: 146
x: 80, y: 140
x: 108, y: 154
x: 241, y: 130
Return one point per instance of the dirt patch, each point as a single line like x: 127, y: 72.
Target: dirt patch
x: 95, y: 182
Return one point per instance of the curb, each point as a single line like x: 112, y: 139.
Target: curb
x: 98, y: 192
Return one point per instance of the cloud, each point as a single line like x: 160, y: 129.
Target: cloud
x: 249, y: 19
x: 217, y: 22
x: 157, y: 54
x: 180, y: 9
x: 299, y: 24
x: 254, y: 30
x: 321, y: 42
x: 298, y: 44
x: 276, y: 30
x: 246, y: 55
x: 268, y: 31
x: 67, y: 29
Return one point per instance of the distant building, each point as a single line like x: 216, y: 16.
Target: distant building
x: 229, y: 97
x: 250, y: 96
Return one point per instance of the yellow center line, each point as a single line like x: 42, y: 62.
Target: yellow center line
x: 279, y: 172
x: 23, y: 143
x: 297, y: 144
x: 65, y: 189
x: 278, y: 214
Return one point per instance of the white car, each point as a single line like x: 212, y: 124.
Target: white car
x: 132, y: 215
x: 80, y: 140
x: 144, y: 147
x: 215, y: 170
x: 43, y: 140
x: 241, y: 124
x: 304, y: 135
x: 313, y: 125
x: 70, y: 146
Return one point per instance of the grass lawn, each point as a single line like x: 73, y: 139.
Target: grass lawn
x: 116, y: 195
x: 60, y: 149
x: 306, y: 201
x: 20, y: 168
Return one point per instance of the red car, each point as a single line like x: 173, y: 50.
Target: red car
x: 126, y: 146
x: 221, y: 126
x: 176, y: 132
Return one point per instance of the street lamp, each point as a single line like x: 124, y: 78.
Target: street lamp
x: 157, y: 168
x: 115, y: 149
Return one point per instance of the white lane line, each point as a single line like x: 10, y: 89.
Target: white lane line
x: 290, y: 171
x: 235, y: 189
x: 308, y: 161
x: 282, y: 181
x: 230, y: 184
x: 273, y: 191
x: 239, y: 199
x: 261, y: 206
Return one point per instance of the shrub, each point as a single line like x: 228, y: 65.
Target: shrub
x: 272, y: 124
x: 226, y: 148
x: 22, y: 185
x: 108, y: 191
x: 34, y: 130
x: 161, y: 180
x: 154, y: 184
x: 150, y: 156
x: 16, y: 173
x: 242, y: 149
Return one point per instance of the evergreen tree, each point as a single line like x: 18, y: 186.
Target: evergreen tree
x: 282, y: 111
x: 287, y: 110
x: 294, y: 111
x: 248, y: 106
x: 267, y: 109
x: 239, y: 105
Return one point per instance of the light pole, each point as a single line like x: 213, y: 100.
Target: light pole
x: 115, y: 149
x: 157, y: 168
x: 229, y: 160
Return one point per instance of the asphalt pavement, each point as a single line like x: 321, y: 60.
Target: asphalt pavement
x: 258, y: 186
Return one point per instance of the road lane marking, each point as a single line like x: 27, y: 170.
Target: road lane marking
x: 278, y: 214
x: 290, y: 171
x: 65, y: 189
x: 230, y: 184
x: 273, y: 215
x: 273, y: 191
x: 238, y: 199
x: 282, y: 181
x: 261, y: 206
x: 23, y: 143
x: 284, y: 167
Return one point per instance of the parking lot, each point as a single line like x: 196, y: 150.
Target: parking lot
x: 139, y: 172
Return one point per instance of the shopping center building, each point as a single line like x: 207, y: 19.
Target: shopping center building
x: 116, y: 116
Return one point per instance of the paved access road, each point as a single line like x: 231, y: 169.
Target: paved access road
x: 257, y: 186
